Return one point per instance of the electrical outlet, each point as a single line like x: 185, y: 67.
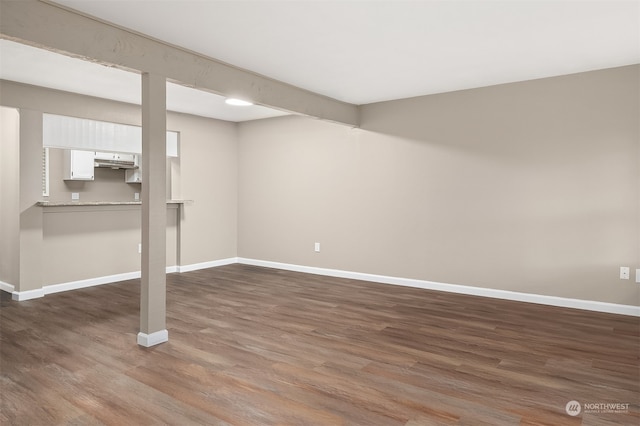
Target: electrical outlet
x: 136, y: 196
x: 139, y: 248
x: 317, y: 247
x: 75, y: 196
x: 624, y: 272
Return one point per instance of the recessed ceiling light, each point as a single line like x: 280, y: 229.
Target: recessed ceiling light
x: 237, y: 102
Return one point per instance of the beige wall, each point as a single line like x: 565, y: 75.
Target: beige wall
x: 208, y: 173
x: 30, y: 247
x: 81, y: 243
x: 530, y: 187
x: 88, y: 243
x: 9, y: 195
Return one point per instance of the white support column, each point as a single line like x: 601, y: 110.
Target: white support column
x: 154, y: 212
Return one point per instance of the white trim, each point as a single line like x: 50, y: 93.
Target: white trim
x: 589, y: 305
x: 205, y: 265
x: 153, y: 339
x: 21, y: 296
x: 108, y: 279
x: 76, y: 285
x: 90, y: 282
x: 9, y: 288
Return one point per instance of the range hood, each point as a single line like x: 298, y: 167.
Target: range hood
x: 115, y: 164
x: 115, y: 160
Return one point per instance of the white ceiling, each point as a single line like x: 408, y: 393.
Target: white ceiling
x: 369, y: 51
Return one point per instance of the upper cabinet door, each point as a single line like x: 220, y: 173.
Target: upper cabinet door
x: 78, y: 165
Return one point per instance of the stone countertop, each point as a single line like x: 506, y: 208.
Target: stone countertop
x: 101, y: 203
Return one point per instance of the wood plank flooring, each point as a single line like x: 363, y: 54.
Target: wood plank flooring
x: 258, y: 346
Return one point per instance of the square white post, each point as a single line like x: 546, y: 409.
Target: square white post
x: 154, y: 212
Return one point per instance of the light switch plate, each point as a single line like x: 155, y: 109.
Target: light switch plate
x: 75, y: 196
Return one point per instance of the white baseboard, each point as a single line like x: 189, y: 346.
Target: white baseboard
x: 153, y: 339
x: 21, y: 296
x: 9, y: 288
x: 589, y: 305
x: 75, y: 285
x: 205, y: 265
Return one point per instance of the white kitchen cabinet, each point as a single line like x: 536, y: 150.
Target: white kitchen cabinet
x: 78, y: 165
x: 114, y: 156
x: 134, y: 175
x: 108, y: 156
x: 126, y: 157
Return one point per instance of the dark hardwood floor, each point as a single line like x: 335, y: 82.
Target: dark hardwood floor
x: 259, y: 346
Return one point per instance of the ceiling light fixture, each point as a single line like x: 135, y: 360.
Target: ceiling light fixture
x: 237, y: 102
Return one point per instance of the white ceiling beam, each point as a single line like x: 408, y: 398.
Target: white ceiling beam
x: 55, y: 28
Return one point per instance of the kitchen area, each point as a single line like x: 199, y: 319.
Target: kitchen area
x: 92, y: 161
x: 70, y: 171
x: 91, y: 186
